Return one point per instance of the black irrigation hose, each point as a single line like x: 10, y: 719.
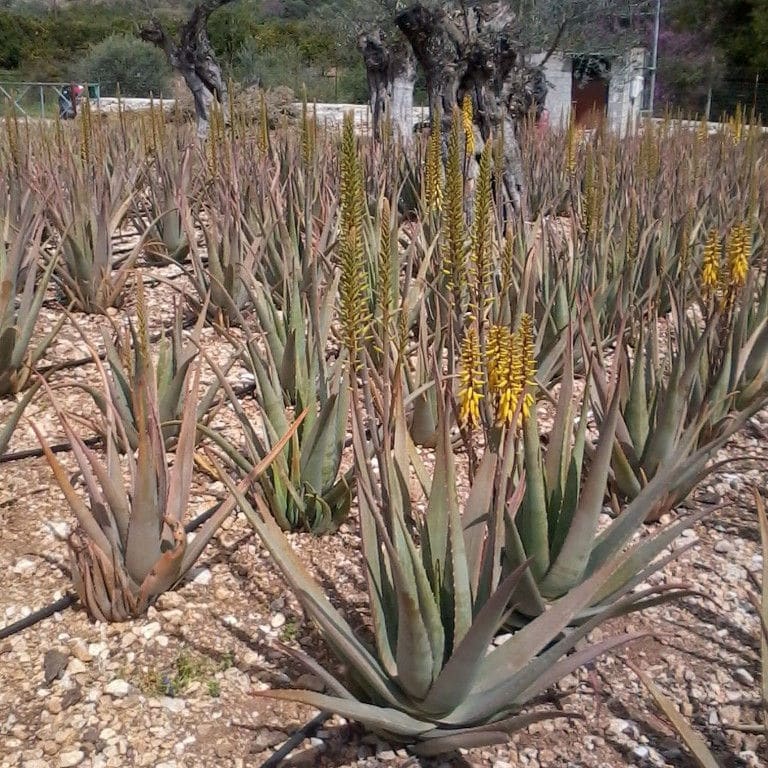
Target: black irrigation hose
x: 80, y: 361
x: 70, y: 598
x: 36, y: 453
x: 305, y: 732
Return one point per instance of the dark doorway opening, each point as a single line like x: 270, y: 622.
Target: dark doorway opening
x: 589, y: 90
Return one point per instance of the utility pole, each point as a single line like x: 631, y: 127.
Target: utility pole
x: 654, y: 55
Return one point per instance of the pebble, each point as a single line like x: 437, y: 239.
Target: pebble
x: 70, y: 759
x: 118, y: 688
x: 59, y: 529
x: 203, y: 577
x: 80, y: 651
x: 150, y: 630
x: 724, y: 546
x: 170, y: 600
x: 277, y: 621
x: 25, y: 567
x: 54, y: 664
x: 744, y: 677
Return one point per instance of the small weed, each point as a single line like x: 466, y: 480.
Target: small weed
x: 289, y: 632
x: 186, y: 669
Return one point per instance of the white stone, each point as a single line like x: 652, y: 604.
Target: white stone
x: 172, y: 704
x: 70, y: 759
x: 150, y: 630
x: 59, y: 528
x: 24, y: 567
x: 203, y: 577
x: 744, y: 677
x: 277, y: 621
x: 118, y: 688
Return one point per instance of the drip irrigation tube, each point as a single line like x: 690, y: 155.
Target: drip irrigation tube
x: 36, y: 453
x: 305, y: 732
x: 70, y: 598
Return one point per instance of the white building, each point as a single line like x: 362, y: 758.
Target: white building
x: 616, y: 93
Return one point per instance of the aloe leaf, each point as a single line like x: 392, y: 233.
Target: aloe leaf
x: 636, y: 416
x: 544, y: 678
x: 531, y: 639
x: 379, y: 718
x: 11, y: 421
x: 443, y: 740
x: 181, y: 475
x: 78, y: 506
x: 337, y: 631
x: 380, y: 587
x: 556, y: 460
x: 313, y: 666
x: 477, y: 517
x: 693, y: 741
x: 572, y: 561
x: 532, y: 521
x: 461, y: 669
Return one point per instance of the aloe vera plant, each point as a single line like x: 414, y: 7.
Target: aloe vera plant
x: 220, y: 276
x: 304, y: 486
x: 168, y: 177
x: 554, y: 526
x: 24, y: 278
x: 87, y: 211
x: 685, y: 394
x: 174, y: 360
x: 130, y: 545
x: 432, y: 679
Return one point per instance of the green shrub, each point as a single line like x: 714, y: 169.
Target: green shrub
x: 139, y: 67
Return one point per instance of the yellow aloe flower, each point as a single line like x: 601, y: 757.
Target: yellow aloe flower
x: 710, y: 266
x: 467, y: 121
x: 470, y: 380
x: 527, y: 364
x: 738, y: 255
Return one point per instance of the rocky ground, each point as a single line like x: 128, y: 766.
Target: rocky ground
x: 180, y: 687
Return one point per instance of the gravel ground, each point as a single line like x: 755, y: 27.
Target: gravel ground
x: 177, y: 688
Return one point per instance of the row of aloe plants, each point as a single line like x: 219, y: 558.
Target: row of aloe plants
x: 348, y: 284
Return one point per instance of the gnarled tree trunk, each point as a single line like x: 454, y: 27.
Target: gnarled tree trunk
x: 193, y: 57
x: 391, y: 71
x: 472, y: 51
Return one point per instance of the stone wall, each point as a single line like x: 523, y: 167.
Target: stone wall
x: 625, y: 91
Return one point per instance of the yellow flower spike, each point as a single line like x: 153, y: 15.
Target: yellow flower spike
x: 571, y: 147
x: 528, y: 364
x: 433, y: 183
x: 354, y: 312
x: 262, y: 137
x: 739, y: 247
x: 454, y: 224
x: 497, y: 349
x: 510, y: 385
x: 710, y: 266
x: 470, y: 380
x: 467, y: 121
x: 481, y: 261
